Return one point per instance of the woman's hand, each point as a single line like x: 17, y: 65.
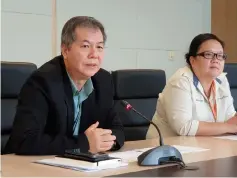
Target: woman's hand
x: 232, y: 120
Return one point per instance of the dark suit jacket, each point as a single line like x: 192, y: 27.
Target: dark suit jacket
x: 45, y: 113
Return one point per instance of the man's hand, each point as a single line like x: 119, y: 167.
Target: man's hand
x: 99, y: 139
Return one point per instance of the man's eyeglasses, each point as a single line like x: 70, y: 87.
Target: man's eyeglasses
x: 211, y: 55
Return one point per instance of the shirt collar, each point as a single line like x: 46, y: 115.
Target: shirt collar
x: 188, y: 73
x: 87, y: 88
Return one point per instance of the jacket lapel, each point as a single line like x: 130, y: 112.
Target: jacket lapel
x: 89, y: 107
x: 87, y: 113
x: 68, y: 98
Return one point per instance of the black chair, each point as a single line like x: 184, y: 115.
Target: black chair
x: 231, y: 70
x: 14, y: 76
x: 140, y: 88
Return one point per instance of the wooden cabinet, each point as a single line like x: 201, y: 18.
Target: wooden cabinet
x: 224, y: 25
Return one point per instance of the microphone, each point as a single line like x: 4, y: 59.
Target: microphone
x: 129, y: 107
x: 160, y: 155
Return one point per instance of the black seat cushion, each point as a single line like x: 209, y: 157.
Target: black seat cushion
x: 138, y: 83
x: 14, y: 76
x: 140, y: 88
x: 135, y: 127
x: 231, y: 70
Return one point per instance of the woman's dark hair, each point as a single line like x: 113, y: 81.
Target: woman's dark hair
x: 198, y: 41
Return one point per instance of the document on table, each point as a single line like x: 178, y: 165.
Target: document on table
x: 131, y: 156
x: 229, y: 137
x: 126, y: 156
x: 77, y: 165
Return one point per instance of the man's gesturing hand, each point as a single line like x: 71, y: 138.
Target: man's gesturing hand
x: 99, y: 139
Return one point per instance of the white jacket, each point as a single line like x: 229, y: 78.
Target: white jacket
x: 182, y: 104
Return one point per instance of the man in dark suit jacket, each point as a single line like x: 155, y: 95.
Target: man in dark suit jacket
x: 68, y: 102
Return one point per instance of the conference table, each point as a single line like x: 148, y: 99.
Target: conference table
x: 219, y: 160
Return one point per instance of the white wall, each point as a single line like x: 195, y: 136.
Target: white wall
x: 26, y: 31
x: 141, y: 33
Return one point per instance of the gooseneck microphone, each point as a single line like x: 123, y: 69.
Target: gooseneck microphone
x: 163, y: 154
x: 129, y: 107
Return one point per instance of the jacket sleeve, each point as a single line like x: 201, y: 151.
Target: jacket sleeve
x: 178, y: 107
x: 117, y: 129
x: 115, y: 123
x: 28, y: 136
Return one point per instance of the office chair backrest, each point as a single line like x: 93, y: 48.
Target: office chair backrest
x: 13, y: 76
x: 231, y: 70
x: 139, y: 87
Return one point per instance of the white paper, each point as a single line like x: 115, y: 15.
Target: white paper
x: 229, y: 137
x: 189, y: 149
x: 58, y: 163
x: 126, y: 156
x: 131, y: 156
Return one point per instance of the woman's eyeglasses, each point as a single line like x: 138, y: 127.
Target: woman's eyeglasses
x: 211, y: 55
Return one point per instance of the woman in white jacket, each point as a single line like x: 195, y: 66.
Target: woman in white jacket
x: 197, y: 98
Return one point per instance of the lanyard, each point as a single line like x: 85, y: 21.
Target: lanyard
x: 213, y: 105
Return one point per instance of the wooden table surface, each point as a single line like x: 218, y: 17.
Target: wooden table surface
x: 16, y: 166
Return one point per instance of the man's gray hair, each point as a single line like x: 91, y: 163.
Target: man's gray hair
x: 68, y: 35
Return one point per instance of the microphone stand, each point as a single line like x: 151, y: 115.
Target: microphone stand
x: 163, y: 154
